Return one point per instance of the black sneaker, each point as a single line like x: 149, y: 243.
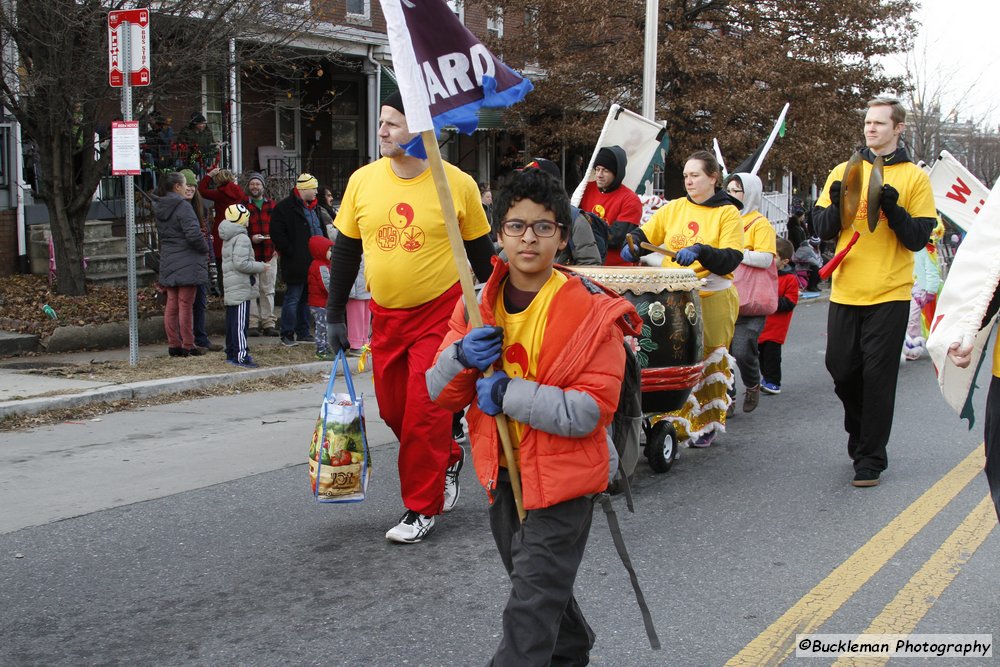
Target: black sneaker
x: 412, y: 528
x: 288, y: 341
x: 452, y: 489
x: 865, y: 478
x: 306, y: 339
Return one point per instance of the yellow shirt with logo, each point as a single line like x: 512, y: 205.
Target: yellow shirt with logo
x: 758, y: 233
x: 681, y: 223
x: 522, y: 337
x: 408, y: 259
x: 878, y: 268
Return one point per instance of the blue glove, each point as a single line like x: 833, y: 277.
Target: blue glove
x: 481, y: 347
x: 687, y: 256
x: 490, y: 391
x: 627, y: 255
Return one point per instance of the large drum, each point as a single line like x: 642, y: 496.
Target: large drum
x: 670, y: 348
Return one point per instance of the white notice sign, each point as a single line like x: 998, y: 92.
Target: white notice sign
x: 125, y: 148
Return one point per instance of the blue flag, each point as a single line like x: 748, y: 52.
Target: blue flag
x: 445, y: 74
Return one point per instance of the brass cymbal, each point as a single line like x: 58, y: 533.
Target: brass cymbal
x: 850, y: 190
x: 875, y: 192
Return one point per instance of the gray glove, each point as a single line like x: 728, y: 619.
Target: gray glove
x: 336, y: 337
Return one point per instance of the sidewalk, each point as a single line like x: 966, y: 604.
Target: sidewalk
x: 23, y: 392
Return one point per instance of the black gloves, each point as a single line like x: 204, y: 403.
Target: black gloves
x: 336, y: 337
x: 835, y: 196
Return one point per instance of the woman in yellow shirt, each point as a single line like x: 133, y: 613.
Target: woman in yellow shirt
x: 704, y: 231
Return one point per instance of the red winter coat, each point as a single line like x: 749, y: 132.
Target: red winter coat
x: 776, y: 325
x: 222, y: 196
x: 317, y: 287
x: 582, y: 350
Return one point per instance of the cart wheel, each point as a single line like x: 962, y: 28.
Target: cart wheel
x: 661, y: 446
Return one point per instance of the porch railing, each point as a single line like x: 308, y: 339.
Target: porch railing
x: 331, y: 172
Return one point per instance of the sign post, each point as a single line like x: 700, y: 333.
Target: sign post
x: 128, y: 65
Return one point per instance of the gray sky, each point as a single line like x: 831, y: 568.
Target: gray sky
x: 962, y: 39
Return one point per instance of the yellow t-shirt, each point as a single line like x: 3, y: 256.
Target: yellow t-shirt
x: 758, y: 233
x: 879, y: 268
x: 682, y: 223
x: 522, y: 336
x: 408, y: 259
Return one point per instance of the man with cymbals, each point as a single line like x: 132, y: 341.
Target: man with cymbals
x: 391, y: 213
x: 877, y: 231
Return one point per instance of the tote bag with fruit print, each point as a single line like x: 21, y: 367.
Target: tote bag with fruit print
x: 338, y: 455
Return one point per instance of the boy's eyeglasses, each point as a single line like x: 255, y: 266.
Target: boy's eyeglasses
x: 543, y: 229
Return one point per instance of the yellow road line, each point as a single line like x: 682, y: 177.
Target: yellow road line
x: 912, y: 603
x: 774, y: 644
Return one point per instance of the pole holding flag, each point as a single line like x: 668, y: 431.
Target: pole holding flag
x: 753, y: 163
x: 445, y: 75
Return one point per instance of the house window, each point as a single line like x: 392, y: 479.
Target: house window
x: 359, y: 10
x: 494, y: 26
x: 212, y: 102
x: 457, y: 6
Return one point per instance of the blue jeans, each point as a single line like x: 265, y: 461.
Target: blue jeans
x: 295, y: 311
x: 200, y: 304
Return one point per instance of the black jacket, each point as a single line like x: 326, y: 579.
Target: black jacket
x: 290, y: 233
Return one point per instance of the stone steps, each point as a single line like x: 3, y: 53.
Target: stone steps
x: 107, y: 260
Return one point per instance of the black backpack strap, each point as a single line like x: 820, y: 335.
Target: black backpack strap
x: 616, y: 536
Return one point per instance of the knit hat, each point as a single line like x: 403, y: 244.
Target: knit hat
x: 256, y: 176
x: 196, y: 118
x: 548, y: 166
x: 395, y: 101
x: 189, y: 176
x: 238, y: 213
x: 306, y: 182
x: 814, y: 240
x: 606, y: 158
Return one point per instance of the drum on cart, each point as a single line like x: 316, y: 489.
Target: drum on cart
x: 670, y: 349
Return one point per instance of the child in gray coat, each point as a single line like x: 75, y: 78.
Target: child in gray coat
x: 238, y: 269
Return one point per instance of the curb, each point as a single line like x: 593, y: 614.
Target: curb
x: 149, y: 388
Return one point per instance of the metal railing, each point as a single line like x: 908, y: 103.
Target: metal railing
x: 331, y: 172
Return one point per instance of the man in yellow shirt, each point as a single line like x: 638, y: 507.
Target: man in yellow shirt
x: 869, y: 301
x: 391, y: 213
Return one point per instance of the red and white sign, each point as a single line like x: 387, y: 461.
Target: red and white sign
x: 957, y: 192
x: 136, y: 22
x: 125, y: 148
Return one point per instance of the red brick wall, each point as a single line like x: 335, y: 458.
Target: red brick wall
x: 8, y: 242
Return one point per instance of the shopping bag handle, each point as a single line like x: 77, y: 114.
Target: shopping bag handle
x: 341, y: 358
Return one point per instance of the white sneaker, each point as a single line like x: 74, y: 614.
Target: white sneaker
x: 412, y: 528
x: 452, y: 489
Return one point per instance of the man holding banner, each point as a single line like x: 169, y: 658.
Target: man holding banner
x: 869, y: 301
x: 390, y: 212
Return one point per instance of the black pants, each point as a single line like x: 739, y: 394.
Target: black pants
x: 542, y: 623
x: 770, y: 362
x: 862, y: 356
x: 992, y: 438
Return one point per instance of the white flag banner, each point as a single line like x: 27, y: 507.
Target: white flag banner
x: 957, y: 193
x: 962, y: 305
x: 640, y: 138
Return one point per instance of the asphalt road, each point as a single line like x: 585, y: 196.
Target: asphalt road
x: 185, y: 534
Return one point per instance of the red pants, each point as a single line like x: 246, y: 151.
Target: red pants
x: 178, y: 318
x: 404, y: 342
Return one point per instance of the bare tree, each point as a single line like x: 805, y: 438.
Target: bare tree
x: 57, y: 85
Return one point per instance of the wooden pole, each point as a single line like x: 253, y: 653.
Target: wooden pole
x: 469, y: 296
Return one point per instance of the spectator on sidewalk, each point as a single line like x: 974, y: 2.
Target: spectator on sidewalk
x: 359, y: 316
x: 200, y: 307
x: 238, y: 271
x: 776, y: 326
x: 219, y: 186
x: 262, y: 320
x: 183, y: 251
x: 808, y: 261
x: 326, y: 212
x: 318, y: 290
x: 293, y: 222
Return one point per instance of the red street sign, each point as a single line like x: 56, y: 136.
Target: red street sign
x: 136, y: 22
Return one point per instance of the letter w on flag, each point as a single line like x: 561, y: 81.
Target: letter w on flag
x: 444, y: 73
